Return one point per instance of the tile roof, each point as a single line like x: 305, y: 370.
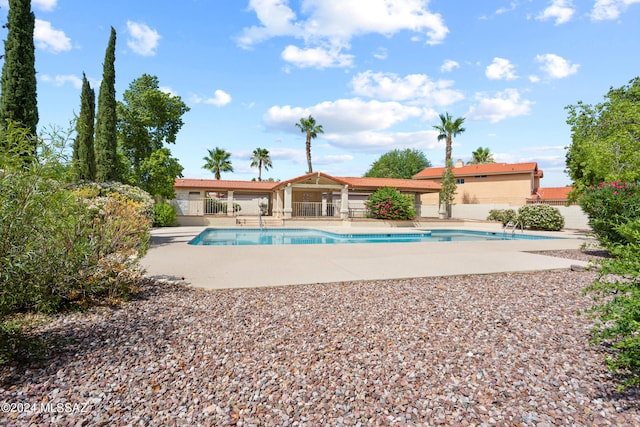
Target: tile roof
x: 482, y: 169
x: 223, y: 184
x: 401, y: 184
x: 552, y: 193
x: 352, y: 182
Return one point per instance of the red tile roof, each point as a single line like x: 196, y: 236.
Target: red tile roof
x: 223, y: 184
x: 352, y: 182
x: 482, y: 169
x: 552, y: 193
x: 400, y: 184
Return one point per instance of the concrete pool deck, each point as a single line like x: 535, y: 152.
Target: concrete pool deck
x: 219, y: 267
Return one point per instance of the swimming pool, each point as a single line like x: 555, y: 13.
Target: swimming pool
x: 307, y: 236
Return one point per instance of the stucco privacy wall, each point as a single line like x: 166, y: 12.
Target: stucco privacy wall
x: 574, y: 217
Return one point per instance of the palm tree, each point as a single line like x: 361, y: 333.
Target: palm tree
x: 448, y: 129
x: 481, y: 156
x: 261, y: 159
x: 312, y: 130
x: 218, y: 161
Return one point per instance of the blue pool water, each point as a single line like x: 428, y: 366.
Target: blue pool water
x: 306, y: 236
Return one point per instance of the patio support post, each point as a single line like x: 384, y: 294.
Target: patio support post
x: 344, y: 202
x: 230, y: 203
x: 417, y: 202
x: 278, y: 207
x: 287, y: 201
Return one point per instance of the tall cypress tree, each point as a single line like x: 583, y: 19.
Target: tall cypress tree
x: 18, y: 101
x: 83, y: 154
x: 105, y: 142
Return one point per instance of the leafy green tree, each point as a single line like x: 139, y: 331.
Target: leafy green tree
x: 218, y: 161
x: 481, y: 156
x: 605, y: 138
x: 309, y: 127
x: 18, y: 100
x: 158, y: 173
x: 398, y: 164
x: 148, y: 118
x: 261, y: 159
x: 106, y: 146
x: 449, y: 188
x: 448, y: 129
x: 83, y: 153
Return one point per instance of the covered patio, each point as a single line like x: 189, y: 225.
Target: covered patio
x: 313, y: 195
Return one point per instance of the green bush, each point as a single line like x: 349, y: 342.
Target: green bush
x: 616, y: 296
x: 503, y: 215
x: 613, y: 209
x: 61, y: 244
x: 164, y: 214
x: 610, y: 205
x: 389, y: 203
x: 540, y: 217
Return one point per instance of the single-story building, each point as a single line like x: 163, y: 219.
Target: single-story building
x: 313, y: 195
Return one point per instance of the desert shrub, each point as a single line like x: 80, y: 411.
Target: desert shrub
x: 541, y: 217
x: 610, y: 205
x: 164, y: 214
x: 614, y: 216
x: 389, y: 203
x: 62, y: 244
x: 502, y: 215
x: 616, y: 296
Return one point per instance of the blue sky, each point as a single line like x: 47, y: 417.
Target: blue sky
x: 374, y: 73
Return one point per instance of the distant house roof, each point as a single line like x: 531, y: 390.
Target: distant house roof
x: 482, y: 169
x: 552, y: 193
x: 420, y: 186
x: 400, y: 184
x: 223, y: 184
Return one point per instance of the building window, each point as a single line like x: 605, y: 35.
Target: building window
x: 480, y: 176
x: 460, y: 181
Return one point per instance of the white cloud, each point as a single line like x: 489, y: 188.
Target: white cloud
x: 220, y: 99
x: 61, y: 80
x: 449, y: 65
x: 380, y: 53
x: 560, y: 10
x: 48, y: 38
x: 142, y: 39
x: 333, y: 23
x: 504, y: 105
x: 556, y: 66
x: 511, y: 8
x: 45, y: 5
x: 534, y: 79
x: 277, y: 19
x: 412, y: 87
x: 610, y: 9
x: 376, y: 142
x: 500, y: 69
x: 343, y: 115
x: 167, y: 90
x: 316, y: 57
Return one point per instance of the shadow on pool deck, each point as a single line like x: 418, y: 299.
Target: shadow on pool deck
x: 217, y: 267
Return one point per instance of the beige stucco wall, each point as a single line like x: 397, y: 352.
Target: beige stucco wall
x: 510, y: 189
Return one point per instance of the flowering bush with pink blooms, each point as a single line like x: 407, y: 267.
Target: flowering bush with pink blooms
x: 389, y: 203
x: 610, y: 205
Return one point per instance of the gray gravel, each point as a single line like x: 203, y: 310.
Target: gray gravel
x: 504, y: 349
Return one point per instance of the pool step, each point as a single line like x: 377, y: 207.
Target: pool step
x: 255, y: 222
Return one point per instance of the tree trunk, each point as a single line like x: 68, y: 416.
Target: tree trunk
x: 309, y: 153
x: 447, y: 157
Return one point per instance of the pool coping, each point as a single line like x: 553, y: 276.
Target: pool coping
x: 220, y: 267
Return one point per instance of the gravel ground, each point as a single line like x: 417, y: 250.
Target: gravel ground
x: 502, y: 349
